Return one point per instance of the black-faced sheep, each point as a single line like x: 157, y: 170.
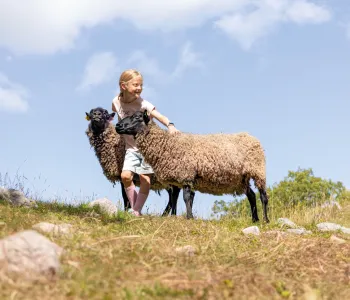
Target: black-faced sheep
x: 109, y: 148
x: 216, y: 164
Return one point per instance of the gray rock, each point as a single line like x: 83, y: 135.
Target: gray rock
x: 328, y: 226
x: 187, y: 250
x: 345, y: 230
x: 299, y: 231
x: 251, y: 230
x: 332, y: 227
x: 286, y: 222
x: 30, y: 255
x: 54, y: 229
x: 106, y: 206
x: 16, y: 198
x: 4, y: 193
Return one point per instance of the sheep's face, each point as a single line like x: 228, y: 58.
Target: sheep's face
x: 133, y: 124
x: 99, y: 118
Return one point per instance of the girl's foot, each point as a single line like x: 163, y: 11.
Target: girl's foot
x: 134, y: 212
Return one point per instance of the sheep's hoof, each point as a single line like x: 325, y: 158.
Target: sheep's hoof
x: 255, y: 220
x: 266, y: 220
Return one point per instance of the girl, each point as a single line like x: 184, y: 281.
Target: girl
x: 126, y: 104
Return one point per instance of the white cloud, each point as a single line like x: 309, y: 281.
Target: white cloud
x: 149, y: 66
x: 306, y: 12
x: 250, y: 26
x: 188, y: 59
x: 100, y: 68
x: 45, y: 27
x: 247, y: 29
x: 12, y: 96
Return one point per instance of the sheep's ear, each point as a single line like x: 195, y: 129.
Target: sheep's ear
x: 87, y: 117
x: 146, y: 118
x: 111, y: 116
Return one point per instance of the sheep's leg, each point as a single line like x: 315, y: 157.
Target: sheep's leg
x: 175, y: 196
x: 170, y: 203
x: 188, y: 196
x: 192, y: 198
x: 252, y: 200
x: 125, y: 198
x: 264, y: 200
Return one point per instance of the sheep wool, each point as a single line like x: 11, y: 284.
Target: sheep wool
x: 213, y: 163
x: 109, y: 148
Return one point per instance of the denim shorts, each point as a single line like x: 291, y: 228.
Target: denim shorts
x: 135, y: 163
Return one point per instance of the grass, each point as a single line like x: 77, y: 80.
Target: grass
x: 135, y: 258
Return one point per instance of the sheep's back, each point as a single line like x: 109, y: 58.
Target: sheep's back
x: 213, y: 163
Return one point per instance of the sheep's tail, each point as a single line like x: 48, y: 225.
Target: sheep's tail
x: 260, y: 180
x: 257, y: 164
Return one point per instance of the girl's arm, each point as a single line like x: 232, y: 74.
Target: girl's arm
x: 164, y: 120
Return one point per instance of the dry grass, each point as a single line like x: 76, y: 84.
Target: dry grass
x: 128, y: 258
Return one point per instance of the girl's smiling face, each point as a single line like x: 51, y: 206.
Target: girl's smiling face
x: 132, y: 89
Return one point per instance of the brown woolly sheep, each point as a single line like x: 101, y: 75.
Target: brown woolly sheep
x: 109, y: 148
x: 213, y: 163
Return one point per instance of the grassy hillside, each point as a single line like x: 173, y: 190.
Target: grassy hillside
x: 136, y: 258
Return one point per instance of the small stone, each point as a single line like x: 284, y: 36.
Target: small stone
x: 328, y: 226
x: 4, y: 194
x: 187, y: 250
x: 287, y: 222
x: 337, y: 240
x: 16, y: 198
x: 106, y: 206
x: 30, y: 255
x: 345, y: 230
x: 55, y: 229
x: 251, y: 230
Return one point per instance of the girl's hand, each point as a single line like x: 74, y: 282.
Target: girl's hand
x: 173, y: 130
x: 165, y: 121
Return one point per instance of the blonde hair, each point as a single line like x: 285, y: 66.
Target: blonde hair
x: 126, y: 76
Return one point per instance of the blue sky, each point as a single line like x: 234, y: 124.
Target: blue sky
x: 278, y: 69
